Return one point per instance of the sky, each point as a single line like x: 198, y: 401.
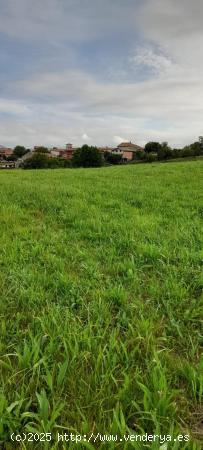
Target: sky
x: 100, y: 72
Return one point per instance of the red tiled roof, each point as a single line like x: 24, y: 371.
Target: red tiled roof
x: 129, y: 145
x: 6, y: 151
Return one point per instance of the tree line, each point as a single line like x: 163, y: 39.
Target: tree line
x: 90, y: 156
x: 156, y: 151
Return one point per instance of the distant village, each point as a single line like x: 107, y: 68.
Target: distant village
x: 91, y: 156
x: 126, y: 150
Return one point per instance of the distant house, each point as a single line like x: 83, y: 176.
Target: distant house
x: 54, y: 152
x: 105, y: 149
x: 7, y: 165
x: 5, y: 152
x: 65, y: 153
x: 128, y: 150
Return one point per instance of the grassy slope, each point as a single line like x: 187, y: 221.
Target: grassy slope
x: 101, y: 300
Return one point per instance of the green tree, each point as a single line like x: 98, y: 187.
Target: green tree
x: 152, y: 147
x: 19, y: 151
x: 195, y: 149
x: 87, y: 156
x: 165, y: 152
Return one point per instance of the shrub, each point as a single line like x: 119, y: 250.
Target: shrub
x: 64, y: 162
x: 43, y: 161
x: 176, y: 153
x: 11, y: 158
x: 139, y: 155
x: 41, y: 150
x: 150, y: 157
x: 112, y: 158
x: 37, y: 161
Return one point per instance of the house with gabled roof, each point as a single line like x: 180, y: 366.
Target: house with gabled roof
x: 5, y: 152
x: 128, y: 150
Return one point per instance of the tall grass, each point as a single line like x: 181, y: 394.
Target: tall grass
x: 101, y: 303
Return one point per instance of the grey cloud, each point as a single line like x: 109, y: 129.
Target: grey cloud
x: 56, y: 20
x: 53, y: 107
x: 171, y: 18
x: 79, y: 89
x: 75, y: 104
x: 177, y: 27
x: 13, y: 106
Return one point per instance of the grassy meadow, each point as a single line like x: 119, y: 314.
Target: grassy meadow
x: 101, y: 304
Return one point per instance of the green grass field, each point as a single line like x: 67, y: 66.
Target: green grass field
x: 101, y: 304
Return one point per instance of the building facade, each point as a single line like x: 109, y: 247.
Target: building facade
x: 128, y: 151
x: 5, y: 152
x: 65, y: 153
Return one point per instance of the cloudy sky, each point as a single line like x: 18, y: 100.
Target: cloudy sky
x: 100, y: 71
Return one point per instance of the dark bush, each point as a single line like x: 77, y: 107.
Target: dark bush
x: 139, y: 155
x: 150, y: 157
x: 112, y: 158
x: 176, y: 153
x: 11, y: 158
x: 37, y: 161
x: 43, y: 161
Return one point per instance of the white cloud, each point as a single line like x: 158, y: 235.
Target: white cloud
x: 118, y: 139
x: 177, y: 28
x: 63, y: 105
x: 155, y: 60
x: 56, y: 107
x: 85, y: 137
